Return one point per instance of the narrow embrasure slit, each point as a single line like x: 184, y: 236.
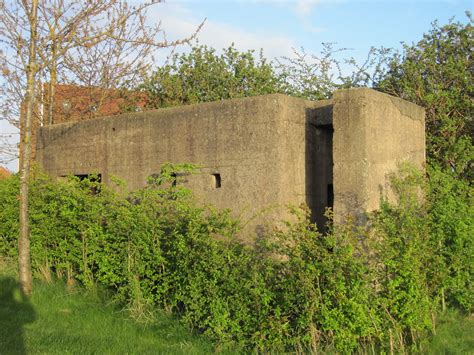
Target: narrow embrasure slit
x: 217, y: 180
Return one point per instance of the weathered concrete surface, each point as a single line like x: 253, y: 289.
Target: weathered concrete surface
x: 373, y: 134
x: 258, y: 146
x: 267, y: 151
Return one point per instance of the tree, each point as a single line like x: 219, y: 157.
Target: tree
x: 119, y: 60
x: 317, y: 76
x: 7, y: 147
x: 204, y: 75
x: 437, y: 73
x: 24, y: 263
x: 40, y: 38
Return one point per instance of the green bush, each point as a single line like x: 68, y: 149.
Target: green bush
x: 451, y: 213
x: 297, y: 289
x: 204, y: 75
x: 402, y: 252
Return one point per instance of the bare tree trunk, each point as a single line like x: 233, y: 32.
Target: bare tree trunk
x: 24, y: 259
x: 51, y: 101
x: 70, y: 25
x: 52, y: 83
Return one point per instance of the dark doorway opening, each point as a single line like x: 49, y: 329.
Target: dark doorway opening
x: 319, y: 163
x: 174, y: 180
x: 330, y: 196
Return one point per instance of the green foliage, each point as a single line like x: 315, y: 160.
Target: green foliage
x: 9, y: 214
x: 451, y: 213
x: 297, y: 289
x: 203, y: 75
x: 322, y: 286
x: 94, y: 324
x: 402, y: 247
x: 425, y: 249
x: 437, y: 73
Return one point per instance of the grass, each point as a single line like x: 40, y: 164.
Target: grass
x: 61, y: 320
x: 454, y: 335
x: 57, y: 321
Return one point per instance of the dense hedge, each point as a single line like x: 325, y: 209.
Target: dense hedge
x: 297, y: 289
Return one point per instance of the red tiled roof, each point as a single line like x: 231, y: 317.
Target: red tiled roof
x: 4, y: 173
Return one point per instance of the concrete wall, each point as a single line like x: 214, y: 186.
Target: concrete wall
x: 269, y: 151
x: 258, y: 146
x: 373, y: 134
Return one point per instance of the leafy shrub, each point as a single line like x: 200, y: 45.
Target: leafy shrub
x: 451, y: 213
x: 297, y: 289
x: 204, y: 75
x: 404, y: 258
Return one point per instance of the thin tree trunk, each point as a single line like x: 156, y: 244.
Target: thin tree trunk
x: 24, y: 259
x: 52, y: 83
x: 51, y: 102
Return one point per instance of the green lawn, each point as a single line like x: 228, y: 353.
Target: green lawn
x: 55, y: 321
x: 454, y: 335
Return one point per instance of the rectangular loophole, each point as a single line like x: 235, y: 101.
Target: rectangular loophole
x: 217, y: 181
x: 174, y: 180
x: 90, y: 177
x: 94, y: 179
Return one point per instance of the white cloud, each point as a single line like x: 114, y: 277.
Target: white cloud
x: 220, y: 35
x: 179, y: 22
x: 304, y: 8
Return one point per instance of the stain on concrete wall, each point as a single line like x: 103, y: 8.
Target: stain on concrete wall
x: 373, y: 134
x: 255, y: 155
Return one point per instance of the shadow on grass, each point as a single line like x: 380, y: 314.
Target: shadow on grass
x: 15, y: 312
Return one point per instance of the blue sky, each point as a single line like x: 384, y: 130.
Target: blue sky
x: 278, y: 26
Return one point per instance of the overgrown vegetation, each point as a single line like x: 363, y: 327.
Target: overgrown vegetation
x: 298, y: 289
x: 437, y: 74
x: 381, y: 287
x: 61, y: 318
x: 204, y: 75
